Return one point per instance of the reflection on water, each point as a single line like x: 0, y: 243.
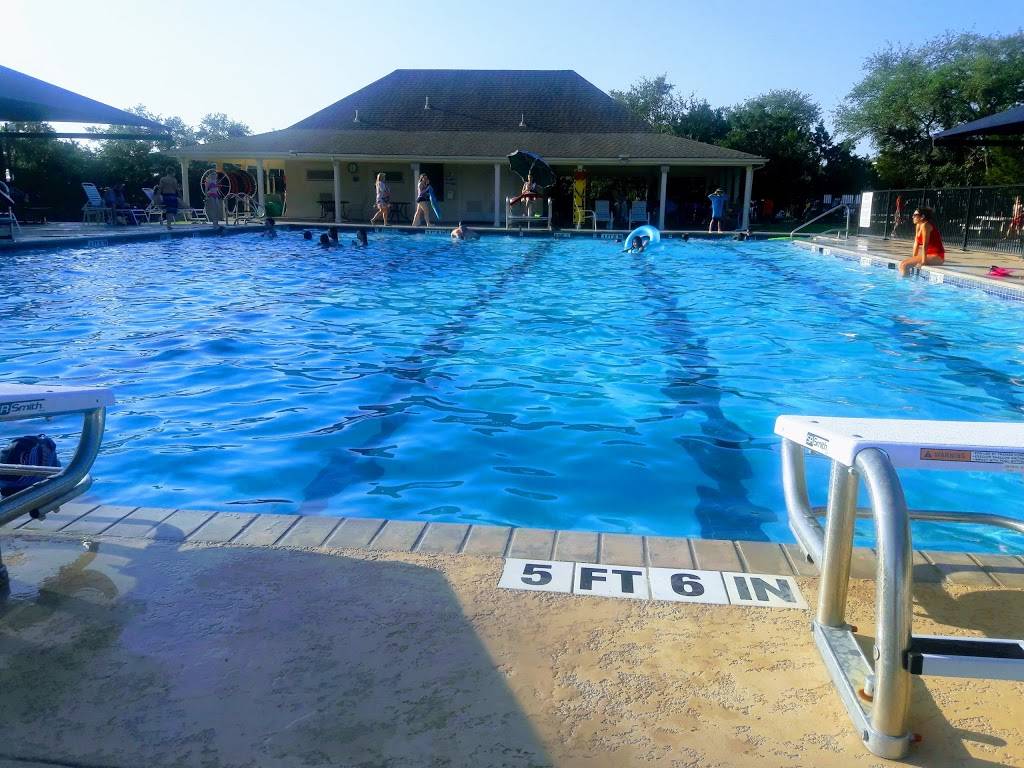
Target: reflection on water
x: 556, y: 384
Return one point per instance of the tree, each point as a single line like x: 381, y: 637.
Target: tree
x: 48, y: 170
x: 907, y: 94
x: 652, y: 99
x: 781, y: 126
x: 51, y: 170
x: 216, y: 126
x: 696, y: 119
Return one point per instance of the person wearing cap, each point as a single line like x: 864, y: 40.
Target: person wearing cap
x: 717, y: 198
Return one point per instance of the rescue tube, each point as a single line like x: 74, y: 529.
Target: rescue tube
x: 433, y: 204
x: 646, y: 231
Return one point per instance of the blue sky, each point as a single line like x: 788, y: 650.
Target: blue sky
x: 273, y: 63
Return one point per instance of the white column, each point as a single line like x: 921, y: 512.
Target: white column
x: 746, y: 196
x: 498, y: 203
x: 337, y: 191
x: 261, y: 192
x: 415, y: 187
x: 185, y: 197
x: 661, y: 200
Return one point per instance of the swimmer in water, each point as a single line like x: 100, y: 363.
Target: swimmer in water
x: 464, y: 233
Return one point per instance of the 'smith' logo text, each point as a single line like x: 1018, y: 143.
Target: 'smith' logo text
x: 21, y: 406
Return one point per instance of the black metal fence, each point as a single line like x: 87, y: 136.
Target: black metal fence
x: 969, y: 218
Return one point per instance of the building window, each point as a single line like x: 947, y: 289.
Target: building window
x: 319, y: 174
x: 392, y: 177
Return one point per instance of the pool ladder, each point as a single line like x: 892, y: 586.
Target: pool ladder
x: 877, y: 695
x: 845, y: 230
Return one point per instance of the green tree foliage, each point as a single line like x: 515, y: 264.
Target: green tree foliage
x: 780, y: 126
x: 784, y: 126
x: 51, y: 170
x: 909, y: 93
x: 653, y: 99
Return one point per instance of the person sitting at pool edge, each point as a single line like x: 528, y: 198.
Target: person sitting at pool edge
x: 928, y: 247
x: 464, y: 233
x: 717, y: 198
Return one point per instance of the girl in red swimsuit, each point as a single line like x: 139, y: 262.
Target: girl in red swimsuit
x: 928, y: 248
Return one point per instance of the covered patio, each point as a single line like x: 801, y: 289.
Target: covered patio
x: 457, y: 127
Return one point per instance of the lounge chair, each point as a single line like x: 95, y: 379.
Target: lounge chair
x: 638, y: 213
x: 188, y: 215
x: 95, y: 208
x: 8, y: 219
x: 603, y: 213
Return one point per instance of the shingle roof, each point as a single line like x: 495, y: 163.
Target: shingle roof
x: 481, y: 100
x: 477, y: 114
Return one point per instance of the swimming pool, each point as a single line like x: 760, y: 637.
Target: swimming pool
x: 537, y: 382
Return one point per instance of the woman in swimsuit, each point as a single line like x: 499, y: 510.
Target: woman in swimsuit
x: 383, y: 198
x: 928, y: 247
x: 422, y: 200
x: 529, y: 193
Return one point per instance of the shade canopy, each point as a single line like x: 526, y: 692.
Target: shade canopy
x: 27, y: 99
x: 1008, y: 123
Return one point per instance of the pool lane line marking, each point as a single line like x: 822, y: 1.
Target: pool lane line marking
x: 681, y: 585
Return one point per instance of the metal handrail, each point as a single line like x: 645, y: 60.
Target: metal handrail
x: 885, y: 679
x: 822, y: 216
x: 943, y: 516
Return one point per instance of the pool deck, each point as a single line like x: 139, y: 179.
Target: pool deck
x: 181, y: 638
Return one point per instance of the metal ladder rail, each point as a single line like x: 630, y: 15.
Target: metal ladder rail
x: 885, y: 684
x: 822, y: 216
x: 59, y: 487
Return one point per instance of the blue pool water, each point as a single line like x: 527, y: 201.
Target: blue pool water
x: 547, y: 383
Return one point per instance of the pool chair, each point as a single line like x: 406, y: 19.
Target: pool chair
x: 877, y: 692
x: 580, y: 216
x: 95, y: 209
x: 603, y: 213
x: 638, y: 213
x: 55, y: 485
x: 189, y: 215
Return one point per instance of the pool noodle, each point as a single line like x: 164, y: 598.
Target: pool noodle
x: 433, y: 204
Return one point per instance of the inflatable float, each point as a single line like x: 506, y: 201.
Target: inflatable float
x: 651, y: 234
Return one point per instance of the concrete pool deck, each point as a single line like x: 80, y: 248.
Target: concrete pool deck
x: 192, y: 638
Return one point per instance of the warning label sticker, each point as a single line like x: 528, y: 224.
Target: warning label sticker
x: 1011, y: 458
x: 940, y: 454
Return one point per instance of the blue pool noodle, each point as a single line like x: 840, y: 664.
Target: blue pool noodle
x: 433, y: 204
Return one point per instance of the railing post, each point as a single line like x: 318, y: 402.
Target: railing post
x: 968, y: 216
x: 893, y: 587
x: 835, y: 564
x: 885, y: 228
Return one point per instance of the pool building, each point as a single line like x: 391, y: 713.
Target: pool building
x: 457, y: 126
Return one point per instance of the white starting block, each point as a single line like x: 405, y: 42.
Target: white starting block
x: 57, y: 486
x: 877, y: 695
